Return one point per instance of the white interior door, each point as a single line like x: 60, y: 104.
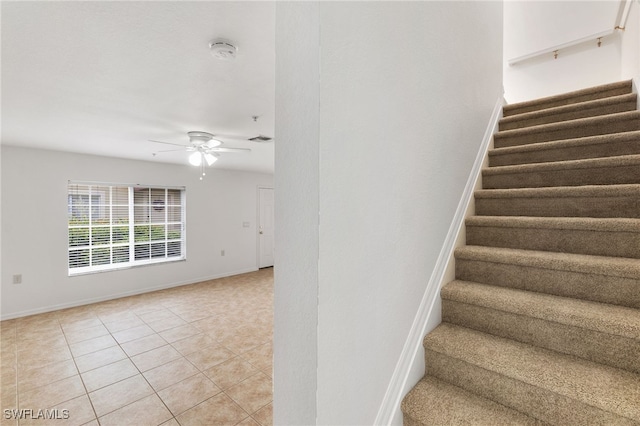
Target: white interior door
x: 265, y: 227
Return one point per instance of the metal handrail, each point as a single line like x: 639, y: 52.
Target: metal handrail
x: 620, y: 25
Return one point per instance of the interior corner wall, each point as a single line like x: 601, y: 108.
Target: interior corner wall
x: 34, y: 228
x: 375, y: 145
x: 296, y: 214
x: 630, y: 48
x: 531, y: 26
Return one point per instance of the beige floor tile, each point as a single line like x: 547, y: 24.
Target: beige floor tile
x: 9, y: 397
x: 188, y: 393
x: 29, y: 360
x: 232, y: 310
x: 218, y: 410
x: 41, y: 376
x: 166, y: 324
x: 178, y: 333
x: 170, y: 373
x: 147, y: 411
x: 231, y: 372
x: 124, y: 324
x: 155, y: 357
x: 108, y: 374
x: 9, y: 377
x: 264, y: 416
x: 92, y: 345
x: 260, y: 357
x: 81, y: 324
x: 99, y: 358
x: 157, y: 315
x: 51, y: 394
x: 78, y: 335
x: 143, y: 344
x: 252, y: 393
x: 39, y: 344
x: 249, y: 421
x: 117, y: 395
x: 193, y: 343
x: 115, y: 314
x: 134, y: 333
x: 75, y: 412
x: 241, y: 343
x: 209, y: 356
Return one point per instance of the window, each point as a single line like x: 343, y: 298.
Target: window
x: 118, y: 226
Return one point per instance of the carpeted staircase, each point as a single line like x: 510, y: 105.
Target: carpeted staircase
x: 542, y: 324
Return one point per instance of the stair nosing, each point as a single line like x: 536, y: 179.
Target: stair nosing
x: 537, y: 359
x: 561, y: 109
x: 572, y: 94
x: 565, y: 143
x: 528, y: 304
x: 565, y: 165
x: 595, y: 224
x: 609, y: 266
x: 603, y: 191
x: 563, y: 125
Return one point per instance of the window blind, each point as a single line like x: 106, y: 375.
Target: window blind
x: 115, y: 226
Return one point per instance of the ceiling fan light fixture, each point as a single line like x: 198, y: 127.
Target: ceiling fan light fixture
x: 210, y: 159
x: 195, y: 159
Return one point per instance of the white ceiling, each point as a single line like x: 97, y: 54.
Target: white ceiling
x: 104, y: 77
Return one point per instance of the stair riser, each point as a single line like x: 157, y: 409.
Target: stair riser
x: 598, y: 288
x: 513, y: 123
x: 570, y: 177
x: 617, y: 90
x: 615, y: 351
x: 578, y: 152
x: 591, y: 242
x: 540, y: 403
x: 616, y: 206
x: 502, y: 140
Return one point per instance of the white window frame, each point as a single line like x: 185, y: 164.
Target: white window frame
x: 137, y: 246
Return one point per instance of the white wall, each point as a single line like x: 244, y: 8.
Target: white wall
x: 34, y: 233
x: 405, y: 93
x: 630, y: 48
x: 296, y: 214
x: 531, y: 26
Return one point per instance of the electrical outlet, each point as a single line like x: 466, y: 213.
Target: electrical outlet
x: 17, y: 279
x: 221, y: 252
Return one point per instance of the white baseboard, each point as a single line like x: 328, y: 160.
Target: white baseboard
x: 400, y: 382
x: 88, y: 301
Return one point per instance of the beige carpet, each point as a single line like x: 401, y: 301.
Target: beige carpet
x: 542, y: 324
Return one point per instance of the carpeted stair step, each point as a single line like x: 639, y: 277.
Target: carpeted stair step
x: 583, y: 127
x: 598, y: 332
x: 591, y: 171
x: 578, y: 96
x: 613, y: 280
x: 580, y: 201
x: 553, y: 387
x: 435, y: 402
x: 615, y: 237
x: 626, y: 143
x: 594, y: 108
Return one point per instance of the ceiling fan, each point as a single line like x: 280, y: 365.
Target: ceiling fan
x: 203, y: 147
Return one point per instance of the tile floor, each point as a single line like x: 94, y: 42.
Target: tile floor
x: 193, y: 355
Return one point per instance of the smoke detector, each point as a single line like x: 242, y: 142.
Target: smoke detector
x: 223, y: 50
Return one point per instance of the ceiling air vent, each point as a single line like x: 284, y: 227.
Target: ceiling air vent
x: 261, y: 138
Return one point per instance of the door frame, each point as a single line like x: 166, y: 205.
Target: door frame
x: 258, y: 188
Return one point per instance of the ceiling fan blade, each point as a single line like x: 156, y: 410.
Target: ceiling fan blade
x: 168, y: 143
x: 171, y: 150
x: 238, y: 150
